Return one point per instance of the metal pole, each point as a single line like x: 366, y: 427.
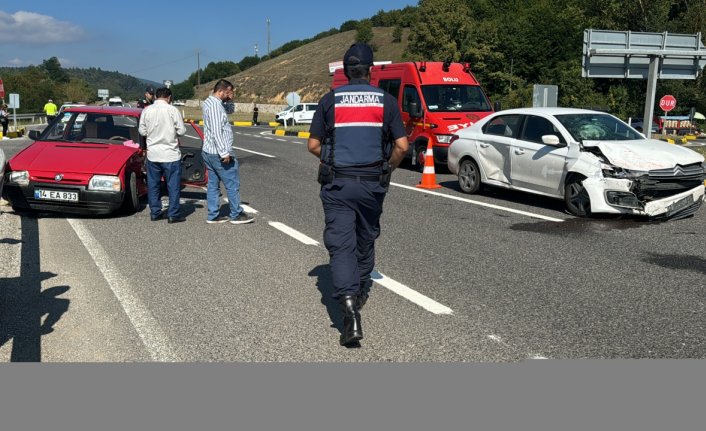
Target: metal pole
x: 268, y: 37
x: 14, y: 117
x: 198, y: 68
x: 650, y: 98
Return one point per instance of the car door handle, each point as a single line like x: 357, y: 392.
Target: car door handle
x: 484, y: 145
x: 519, y: 151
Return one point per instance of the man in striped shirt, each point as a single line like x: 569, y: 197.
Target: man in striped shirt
x: 219, y: 157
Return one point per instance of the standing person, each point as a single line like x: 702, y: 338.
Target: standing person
x: 50, y: 109
x: 254, y: 114
x: 363, y: 141
x: 149, y: 98
x: 219, y: 157
x: 162, y: 123
x: 4, y: 119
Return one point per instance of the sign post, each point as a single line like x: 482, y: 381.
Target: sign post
x: 293, y: 100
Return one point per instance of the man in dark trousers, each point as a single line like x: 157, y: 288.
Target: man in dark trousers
x: 358, y: 135
x: 255, y: 111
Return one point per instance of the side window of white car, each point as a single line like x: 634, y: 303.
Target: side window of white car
x: 505, y: 125
x: 536, y: 127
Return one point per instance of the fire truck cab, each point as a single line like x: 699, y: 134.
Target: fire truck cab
x: 436, y: 99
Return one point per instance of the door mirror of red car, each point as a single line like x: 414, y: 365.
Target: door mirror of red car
x: 34, y: 135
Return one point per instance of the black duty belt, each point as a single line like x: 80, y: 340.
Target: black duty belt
x: 358, y: 178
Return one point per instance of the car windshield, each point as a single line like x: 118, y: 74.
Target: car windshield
x: 598, y: 127
x: 99, y: 128
x: 451, y: 98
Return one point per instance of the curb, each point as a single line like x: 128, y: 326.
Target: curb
x: 287, y: 133
x: 273, y: 124
x: 18, y: 134
x: 242, y: 123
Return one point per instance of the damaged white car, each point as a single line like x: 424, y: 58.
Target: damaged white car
x: 592, y: 160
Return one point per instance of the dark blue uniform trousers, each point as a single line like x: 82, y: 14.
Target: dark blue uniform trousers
x: 352, y: 212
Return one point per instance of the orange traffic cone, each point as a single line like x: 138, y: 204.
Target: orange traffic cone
x: 428, y: 176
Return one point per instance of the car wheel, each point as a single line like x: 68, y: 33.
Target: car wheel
x: 469, y: 176
x: 131, y: 202
x: 576, y: 198
x: 420, y: 151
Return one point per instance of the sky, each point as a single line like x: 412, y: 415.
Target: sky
x: 158, y: 39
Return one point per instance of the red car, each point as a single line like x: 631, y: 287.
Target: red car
x: 90, y: 160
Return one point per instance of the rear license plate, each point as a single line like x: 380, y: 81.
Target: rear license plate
x: 680, y: 204
x: 55, y: 195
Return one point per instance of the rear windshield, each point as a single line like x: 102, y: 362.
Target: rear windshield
x: 455, y: 98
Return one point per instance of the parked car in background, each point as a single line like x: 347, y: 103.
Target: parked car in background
x: 68, y: 105
x: 179, y: 103
x: 2, y: 169
x: 638, y: 123
x: 592, y: 160
x: 279, y: 117
x: 91, y: 161
x: 302, y: 113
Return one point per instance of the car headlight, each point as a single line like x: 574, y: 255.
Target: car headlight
x: 19, y: 177
x: 109, y: 183
x: 443, y: 139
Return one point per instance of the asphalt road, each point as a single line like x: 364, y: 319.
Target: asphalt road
x: 499, y: 277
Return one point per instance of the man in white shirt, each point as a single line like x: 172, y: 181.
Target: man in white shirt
x: 162, y: 123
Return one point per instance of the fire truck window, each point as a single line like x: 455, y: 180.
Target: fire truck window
x: 392, y: 86
x: 410, y: 96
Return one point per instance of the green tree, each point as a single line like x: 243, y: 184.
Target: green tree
x: 443, y: 32
x: 365, y: 31
x: 56, y: 73
x: 397, y: 34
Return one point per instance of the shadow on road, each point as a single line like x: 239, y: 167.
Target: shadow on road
x: 324, y: 283
x: 23, y: 303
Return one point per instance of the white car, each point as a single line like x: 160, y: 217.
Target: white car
x: 302, y: 113
x: 592, y: 160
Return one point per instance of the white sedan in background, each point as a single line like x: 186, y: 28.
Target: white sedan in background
x: 592, y: 160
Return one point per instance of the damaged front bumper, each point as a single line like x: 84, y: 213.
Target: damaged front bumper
x: 618, y: 196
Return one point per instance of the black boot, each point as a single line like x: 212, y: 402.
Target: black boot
x: 352, y: 331
x: 363, y: 293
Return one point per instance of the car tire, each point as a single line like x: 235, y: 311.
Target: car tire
x: 420, y: 155
x: 469, y: 176
x: 576, y: 198
x: 131, y: 202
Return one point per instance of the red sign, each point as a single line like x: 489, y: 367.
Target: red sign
x: 667, y: 103
x: 2, y: 90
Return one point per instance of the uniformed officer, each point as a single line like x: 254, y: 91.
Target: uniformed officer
x: 149, y: 98
x: 358, y: 135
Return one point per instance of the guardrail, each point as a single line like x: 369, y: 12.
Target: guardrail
x: 38, y: 118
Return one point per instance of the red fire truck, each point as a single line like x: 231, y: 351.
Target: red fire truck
x: 436, y: 100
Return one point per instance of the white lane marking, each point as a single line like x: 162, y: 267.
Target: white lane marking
x: 282, y: 140
x: 483, y: 204
x: 539, y: 357
x: 147, y: 327
x: 496, y: 338
x: 255, y: 152
x: 267, y: 137
x: 410, y: 294
x: 293, y: 233
x: 247, y: 208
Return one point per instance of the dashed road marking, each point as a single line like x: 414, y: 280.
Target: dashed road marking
x: 293, y: 233
x: 483, y: 204
x: 255, y: 152
x: 410, y: 294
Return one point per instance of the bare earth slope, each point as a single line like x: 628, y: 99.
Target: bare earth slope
x: 303, y: 70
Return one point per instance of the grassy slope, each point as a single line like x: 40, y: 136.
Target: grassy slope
x: 303, y: 70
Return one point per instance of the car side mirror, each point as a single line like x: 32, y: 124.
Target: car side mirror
x: 497, y: 106
x: 552, y: 140
x: 415, y: 110
x: 34, y: 135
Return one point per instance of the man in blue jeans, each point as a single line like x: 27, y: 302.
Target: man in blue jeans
x: 162, y: 123
x: 219, y: 157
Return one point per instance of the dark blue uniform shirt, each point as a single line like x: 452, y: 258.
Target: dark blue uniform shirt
x: 324, y: 117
